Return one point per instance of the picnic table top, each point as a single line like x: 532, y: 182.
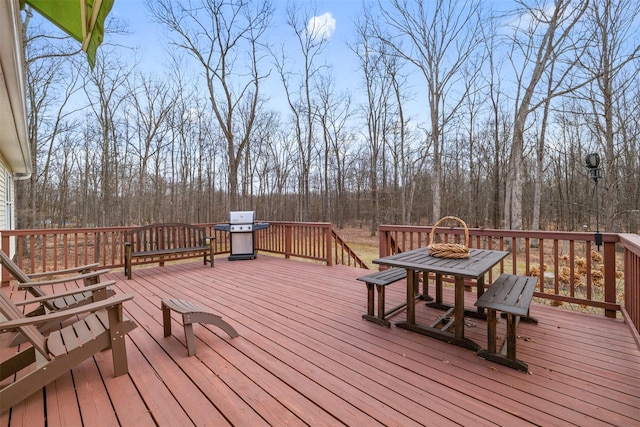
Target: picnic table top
x: 479, y: 261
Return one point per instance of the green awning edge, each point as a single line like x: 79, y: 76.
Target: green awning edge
x: 67, y: 15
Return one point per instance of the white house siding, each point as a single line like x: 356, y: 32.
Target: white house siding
x: 7, y: 202
x: 4, y: 171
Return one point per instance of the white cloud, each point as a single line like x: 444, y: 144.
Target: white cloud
x: 321, y: 27
x: 193, y: 115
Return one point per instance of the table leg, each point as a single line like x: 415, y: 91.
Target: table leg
x: 411, y: 290
x: 425, y: 286
x: 439, y: 296
x: 457, y: 337
x: 480, y: 291
x: 459, y: 308
x: 438, y: 288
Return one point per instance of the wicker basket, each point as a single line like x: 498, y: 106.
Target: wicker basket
x: 449, y: 250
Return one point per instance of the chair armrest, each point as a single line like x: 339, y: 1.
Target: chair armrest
x: 65, y: 314
x: 91, y: 288
x: 64, y: 279
x: 74, y: 270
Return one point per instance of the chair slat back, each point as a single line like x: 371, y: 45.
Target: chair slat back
x: 11, y: 312
x: 19, y: 275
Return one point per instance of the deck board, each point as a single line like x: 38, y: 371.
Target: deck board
x: 305, y: 357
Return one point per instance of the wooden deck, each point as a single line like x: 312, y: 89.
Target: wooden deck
x: 305, y: 357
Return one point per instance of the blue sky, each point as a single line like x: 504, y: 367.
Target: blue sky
x: 152, y: 40
x: 148, y: 42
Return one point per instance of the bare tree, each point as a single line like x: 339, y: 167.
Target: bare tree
x: 334, y: 115
x: 612, y: 64
x: 106, y: 91
x: 442, y: 36
x: 152, y: 101
x: 52, y: 79
x: 495, y: 123
x: 543, y: 38
x: 379, y: 103
x: 224, y: 37
x: 299, y: 86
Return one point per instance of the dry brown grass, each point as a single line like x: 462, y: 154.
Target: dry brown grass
x: 361, y: 242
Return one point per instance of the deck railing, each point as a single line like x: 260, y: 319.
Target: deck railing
x: 573, y: 272
x: 53, y: 249
x: 631, y: 307
x: 309, y: 240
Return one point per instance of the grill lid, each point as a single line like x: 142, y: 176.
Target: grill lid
x: 242, y: 217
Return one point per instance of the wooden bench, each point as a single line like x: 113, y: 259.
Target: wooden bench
x: 191, y: 313
x: 510, y: 294
x: 380, y: 280
x: 157, y: 241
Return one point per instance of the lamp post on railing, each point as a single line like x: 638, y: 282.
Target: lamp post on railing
x: 592, y: 162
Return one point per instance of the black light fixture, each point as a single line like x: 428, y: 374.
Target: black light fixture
x: 592, y: 161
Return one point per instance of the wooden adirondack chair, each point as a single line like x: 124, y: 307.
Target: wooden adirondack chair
x: 101, y: 288
x: 34, y: 287
x: 104, y: 327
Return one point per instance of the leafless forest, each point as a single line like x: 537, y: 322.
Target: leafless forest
x: 511, y: 101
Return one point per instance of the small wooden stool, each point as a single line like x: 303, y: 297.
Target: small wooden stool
x: 191, y: 313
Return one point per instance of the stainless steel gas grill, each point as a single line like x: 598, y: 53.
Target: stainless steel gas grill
x: 242, y: 228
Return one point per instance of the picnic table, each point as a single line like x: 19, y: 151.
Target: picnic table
x: 418, y: 260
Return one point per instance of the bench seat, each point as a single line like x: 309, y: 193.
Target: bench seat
x: 381, y: 279
x: 143, y: 254
x: 510, y: 294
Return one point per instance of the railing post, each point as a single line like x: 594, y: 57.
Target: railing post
x: 383, y: 249
x: 287, y: 240
x: 631, y: 309
x: 610, y: 293
x: 6, y: 248
x: 328, y: 241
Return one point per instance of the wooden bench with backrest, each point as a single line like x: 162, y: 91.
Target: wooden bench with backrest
x: 156, y: 242
x: 510, y: 294
x: 380, y: 280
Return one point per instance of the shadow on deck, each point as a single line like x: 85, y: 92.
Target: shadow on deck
x: 305, y: 357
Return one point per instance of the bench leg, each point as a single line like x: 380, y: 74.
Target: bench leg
x: 380, y: 290
x: 370, y: 315
x: 491, y: 354
x: 511, y: 336
x: 370, y: 299
x: 492, y: 336
x: 127, y: 268
x: 212, y: 252
x: 525, y: 319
